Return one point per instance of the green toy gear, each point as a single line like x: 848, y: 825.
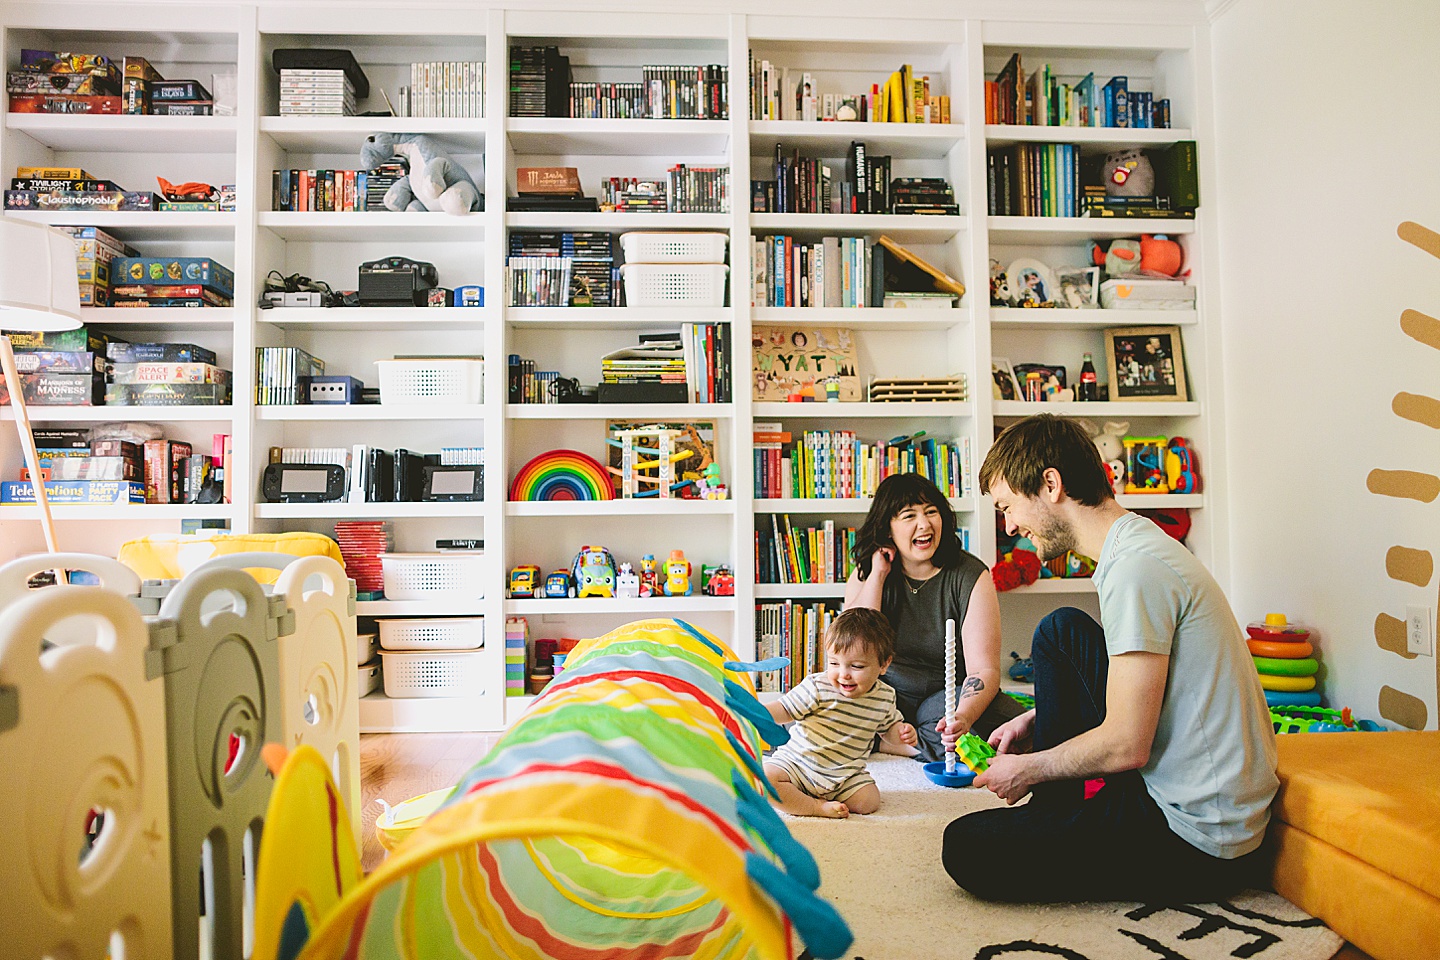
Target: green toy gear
x: 974, y: 752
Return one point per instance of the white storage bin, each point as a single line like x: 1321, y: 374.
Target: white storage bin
x: 646, y: 247
x: 432, y: 380
x: 432, y: 633
x: 433, y: 674
x: 366, y: 646
x: 433, y: 576
x: 674, y: 284
x: 368, y: 678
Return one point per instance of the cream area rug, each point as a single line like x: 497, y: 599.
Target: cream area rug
x: 883, y: 872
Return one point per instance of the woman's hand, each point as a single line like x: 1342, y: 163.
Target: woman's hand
x: 1010, y: 734
x: 951, y: 729
x: 880, y: 562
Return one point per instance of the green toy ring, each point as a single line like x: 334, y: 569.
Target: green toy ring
x: 1287, y: 684
x: 1275, y: 667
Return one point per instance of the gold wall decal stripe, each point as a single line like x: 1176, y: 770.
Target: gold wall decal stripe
x: 1399, y: 707
x: 1422, y: 237
x: 1404, y: 484
x: 1417, y: 407
x: 1420, y: 326
x: 1409, y: 565
x: 1390, y: 635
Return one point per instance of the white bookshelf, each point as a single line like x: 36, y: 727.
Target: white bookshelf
x: 959, y: 50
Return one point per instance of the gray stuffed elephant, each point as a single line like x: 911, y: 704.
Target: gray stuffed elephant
x: 435, y: 182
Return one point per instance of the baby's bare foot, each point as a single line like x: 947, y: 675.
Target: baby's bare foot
x: 834, y: 809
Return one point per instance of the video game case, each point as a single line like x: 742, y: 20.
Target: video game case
x: 153, y: 352
x: 169, y: 373
x: 161, y: 108
x: 163, y: 465
x: 167, y: 394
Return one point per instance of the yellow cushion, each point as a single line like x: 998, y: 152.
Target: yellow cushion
x: 1374, y: 796
x: 1388, y: 919
x: 171, y: 556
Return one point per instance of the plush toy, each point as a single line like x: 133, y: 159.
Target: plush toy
x: 1018, y: 568
x: 1128, y: 173
x: 1159, y: 256
x: 435, y: 181
x: 1112, y: 449
x: 1124, y: 256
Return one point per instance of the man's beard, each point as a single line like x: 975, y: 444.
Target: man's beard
x: 1053, y: 539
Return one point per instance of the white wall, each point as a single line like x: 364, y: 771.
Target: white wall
x: 1327, y: 139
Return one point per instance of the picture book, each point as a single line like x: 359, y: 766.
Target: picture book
x: 810, y: 362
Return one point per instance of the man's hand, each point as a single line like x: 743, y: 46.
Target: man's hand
x: 1009, y: 777
x: 1011, y: 733
x: 951, y: 729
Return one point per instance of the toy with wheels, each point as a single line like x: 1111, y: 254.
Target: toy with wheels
x: 627, y: 584
x: 677, y: 575
x: 594, y: 572
x: 524, y: 581
x: 722, y: 583
x: 560, y: 585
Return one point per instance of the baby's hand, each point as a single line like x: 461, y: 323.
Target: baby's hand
x: 907, y: 734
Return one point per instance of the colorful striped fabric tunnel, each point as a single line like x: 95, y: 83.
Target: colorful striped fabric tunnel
x: 622, y: 818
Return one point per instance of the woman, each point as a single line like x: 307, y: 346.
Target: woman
x: 910, y: 567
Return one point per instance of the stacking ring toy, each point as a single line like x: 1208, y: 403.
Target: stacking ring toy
x: 1279, y: 698
x: 1287, y: 684
x: 1283, y: 649
x: 1304, y: 667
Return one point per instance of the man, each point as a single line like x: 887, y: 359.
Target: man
x: 1163, y: 704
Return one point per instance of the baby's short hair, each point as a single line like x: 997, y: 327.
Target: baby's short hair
x: 864, y: 627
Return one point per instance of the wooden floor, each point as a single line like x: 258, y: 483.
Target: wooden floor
x: 398, y: 766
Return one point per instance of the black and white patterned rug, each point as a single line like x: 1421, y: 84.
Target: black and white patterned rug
x: 883, y: 872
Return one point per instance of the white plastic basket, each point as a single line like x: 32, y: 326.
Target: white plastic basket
x: 432, y: 380
x: 432, y: 576
x: 674, y: 284
x: 644, y: 247
x: 368, y: 678
x: 432, y: 633
x: 366, y: 646
x: 433, y: 674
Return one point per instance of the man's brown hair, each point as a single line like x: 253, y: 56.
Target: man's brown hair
x: 861, y: 627
x: 1023, y: 453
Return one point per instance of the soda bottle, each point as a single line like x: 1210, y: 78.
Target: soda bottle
x: 1089, y: 389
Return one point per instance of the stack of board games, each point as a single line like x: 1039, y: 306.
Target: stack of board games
x: 136, y: 80
x: 180, y: 98
x: 170, y: 282
x: 77, y: 469
x: 316, y: 93
x: 50, y: 82
x: 165, y: 374
x: 69, y: 189
x: 95, y: 250
x: 923, y: 195
x: 65, y: 368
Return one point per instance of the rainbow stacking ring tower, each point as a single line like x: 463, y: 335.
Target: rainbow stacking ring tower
x: 948, y: 773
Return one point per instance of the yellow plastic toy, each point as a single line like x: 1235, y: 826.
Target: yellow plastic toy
x: 677, y: 575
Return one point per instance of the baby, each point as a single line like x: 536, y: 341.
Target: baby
x: 837, y: 715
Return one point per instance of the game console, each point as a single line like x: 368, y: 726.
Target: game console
x: 396, y: 282
x: 303, y: 482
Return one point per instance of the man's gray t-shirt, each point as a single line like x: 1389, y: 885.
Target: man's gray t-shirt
x: 1212, y: 765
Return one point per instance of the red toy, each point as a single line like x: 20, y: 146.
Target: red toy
x: 1019, y: 568
x: 721, y: 584
x: 1159, y: 256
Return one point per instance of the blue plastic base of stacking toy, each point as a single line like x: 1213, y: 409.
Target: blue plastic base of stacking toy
x: 962, y: 777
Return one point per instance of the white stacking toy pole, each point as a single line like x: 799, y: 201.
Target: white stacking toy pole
x: 949, y: 688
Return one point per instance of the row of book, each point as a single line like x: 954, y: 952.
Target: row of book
x: 528, y: 385
x: 328, y: 191
x: 692, y: 365
x: 80, y: 468
x: 835, y: 464
x: 828, y: 272
x: 794, y: 630
x: 1042, y: 99
x: 444, y: 88
x: 587, y: 279
x: 685, y: 190
x: 1034, y: 180
x: 541, y: 85
x: 790, y: 553
x: 777, y: 93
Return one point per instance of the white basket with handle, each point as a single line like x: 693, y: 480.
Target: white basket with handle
x: 674, y: 284
x: 432, y: 380
x: 432, y: 633
x: 433, y: 674
x: 433, y: 576
x: 646, y: 247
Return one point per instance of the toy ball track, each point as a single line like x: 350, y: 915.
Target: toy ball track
x: 562, y: 475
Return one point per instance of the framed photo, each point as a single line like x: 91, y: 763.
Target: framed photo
x: 1003, y: 383
x: 1031, y: 284
x: 1079, y: 287
x: 1146, y: 363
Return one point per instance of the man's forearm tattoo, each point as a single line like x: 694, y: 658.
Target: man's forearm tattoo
x: 971, y: 687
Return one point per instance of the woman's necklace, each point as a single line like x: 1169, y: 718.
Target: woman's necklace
x: 915, y: 586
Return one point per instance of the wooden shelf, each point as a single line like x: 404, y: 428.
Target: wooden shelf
x: 92, y: 133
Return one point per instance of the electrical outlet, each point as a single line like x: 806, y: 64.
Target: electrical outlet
x: 1419, y: 638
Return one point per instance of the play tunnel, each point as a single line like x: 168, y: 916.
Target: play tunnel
x: 622, y: 818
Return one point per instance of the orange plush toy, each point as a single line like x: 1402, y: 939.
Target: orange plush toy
x: 1159, y: 256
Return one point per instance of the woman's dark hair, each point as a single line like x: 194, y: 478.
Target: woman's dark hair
x: 895, y: 493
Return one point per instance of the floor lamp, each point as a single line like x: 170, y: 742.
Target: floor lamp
x: 38, y: 291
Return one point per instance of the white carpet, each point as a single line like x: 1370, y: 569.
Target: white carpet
x: 883, y: 872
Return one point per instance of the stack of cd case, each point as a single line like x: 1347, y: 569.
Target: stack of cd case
x: 306, y: 93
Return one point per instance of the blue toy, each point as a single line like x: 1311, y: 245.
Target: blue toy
x: 1021, y: 671
x: 435, y: 182
x: 594, y: 572
x: 560, y: 584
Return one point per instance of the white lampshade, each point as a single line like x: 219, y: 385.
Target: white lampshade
x: 38, y: 285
